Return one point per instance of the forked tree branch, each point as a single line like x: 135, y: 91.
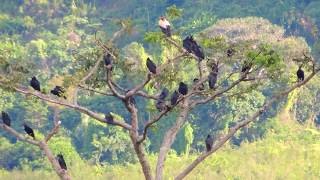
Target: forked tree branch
x: 56, y: 123
x: 111, y: 87
x: 44, y: 147
x: 169, y: 138
x: 84, y: 110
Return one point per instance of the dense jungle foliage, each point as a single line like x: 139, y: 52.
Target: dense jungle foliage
x: 55, y: 40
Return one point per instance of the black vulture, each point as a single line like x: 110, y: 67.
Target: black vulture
x: 61, y: 161
x: 6, y: 118
x: 230, y: 52
x: 300, y: 74
x: 209, y: 142
x: 198, y: 52
x: 212, y: 79
x: 151, y: 66
x: 188, y: 43
x: 108, y: 60
x: 161, y: 105
x: 164, y: 26
x: 29, y: 131
x: 192, y: 47
x: 164, y: 94
x: 59, y: 91
x: 35, y: 84
x: 174, y: 98
x: 109, y: 118
x: 201, y: 86
x: 183, y: 88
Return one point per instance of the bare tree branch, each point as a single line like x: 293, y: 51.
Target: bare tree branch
x: 151, y: 122
x: 241, y: 124
x: 18, y: 135
x: 43, y: 146
x: 218, y: 93
x: 56, y: 123
x: 118, y: 33
x: 95, y: 91
x: 134, y: 135
x: 169, y: 138
x: 110, y: 84
x: 139, y: 86
x: 73, y: 106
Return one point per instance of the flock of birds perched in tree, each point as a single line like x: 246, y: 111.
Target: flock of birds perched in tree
x: 190, y: 45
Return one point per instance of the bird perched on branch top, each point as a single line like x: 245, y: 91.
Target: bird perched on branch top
x: 164, y: 26
x: 212, y: 79
x: 192, y: 47
x: 164, y: 94
x: 109, y: 118
x: 174, y: 98
x: 300, y: 74
x: 6, y: 118
x: 61, y: 161
x: 209, y: 142
x: 151, y: 66
x: 161, y: 105
x: 29, y: 131
x: 183, y: 88
x: 58, y: 91
x: 108, y: 60
x: 188, y: 43
x: 35, y: 84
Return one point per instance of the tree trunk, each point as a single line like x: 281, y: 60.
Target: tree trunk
x: 169, y: 139
x: 138, y: 147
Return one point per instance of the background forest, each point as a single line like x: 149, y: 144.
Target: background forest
x: 284, y: 143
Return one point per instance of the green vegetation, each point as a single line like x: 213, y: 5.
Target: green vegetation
x: 58, y: 41
x: 287, y: 151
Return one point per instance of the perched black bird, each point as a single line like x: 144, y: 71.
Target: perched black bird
x: 212, y: 79
x: 300, y: 74
x: 192, y: 47
x: 58, y: 91
x: 209, y: 142
x: 183, y: 88
x: 174, y: 98
x: 61, y: 161
x: 188, y: 43
x: 29, y: 131
x: 108, y: 60
x: 161, y: 105
x: 109, y: 118
x: 164, y: 26
x: 151, y: 66
x: 164, y: 94
x: 230, y: 52
x: 6, y: 118
x: 198, y: 51
x: 201, y: 86
x: 35, y: 84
